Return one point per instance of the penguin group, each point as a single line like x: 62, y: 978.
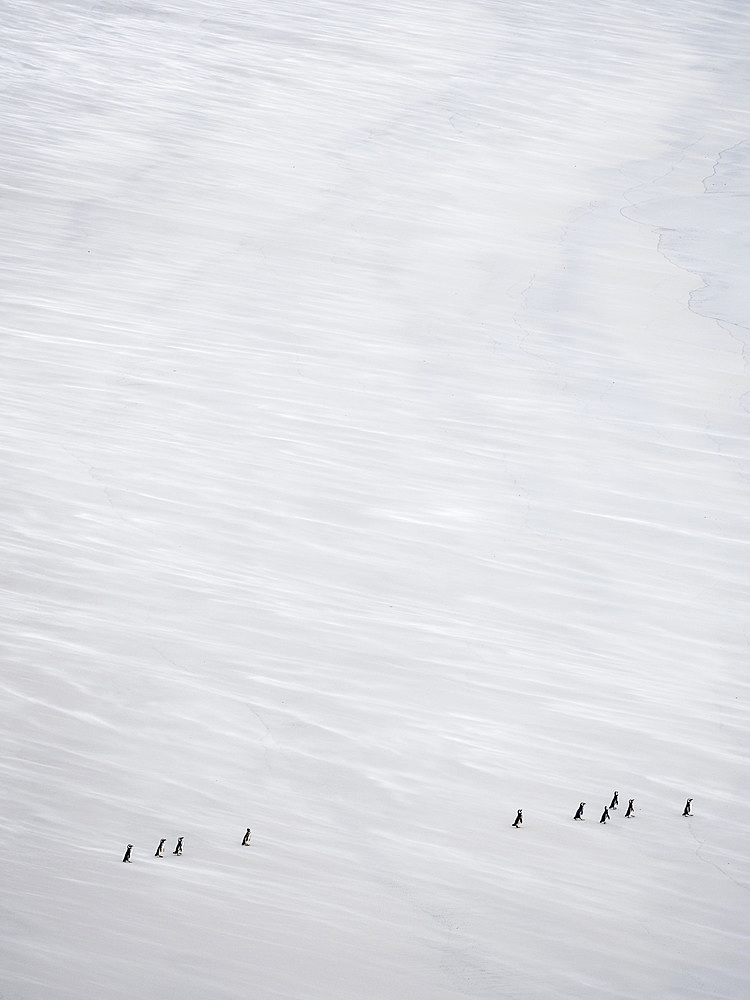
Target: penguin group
x: 517, y: 823
x: 159, y: 853
x: 605, y: 817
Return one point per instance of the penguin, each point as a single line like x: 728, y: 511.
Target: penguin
x: 579, y: 811
x: 615, y: 801
x: 519, y: 819
x: 605, y: 815
x: 178, y: 849
x: 160, y: 848
x: 630, y: 809
x: 246, y: 838
x: 128, y: 849
x: 686, y: 811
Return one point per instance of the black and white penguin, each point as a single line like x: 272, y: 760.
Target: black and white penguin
x: 246, y: 838
x: 128, y: 849
x: 605, y: 815
x: 686, y: 811
x: 519, y: 819
x: 579, y: 811
x: 160, y: 848
x: 615, y: 801
x: 630, y: 809
x: 178, y: 848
